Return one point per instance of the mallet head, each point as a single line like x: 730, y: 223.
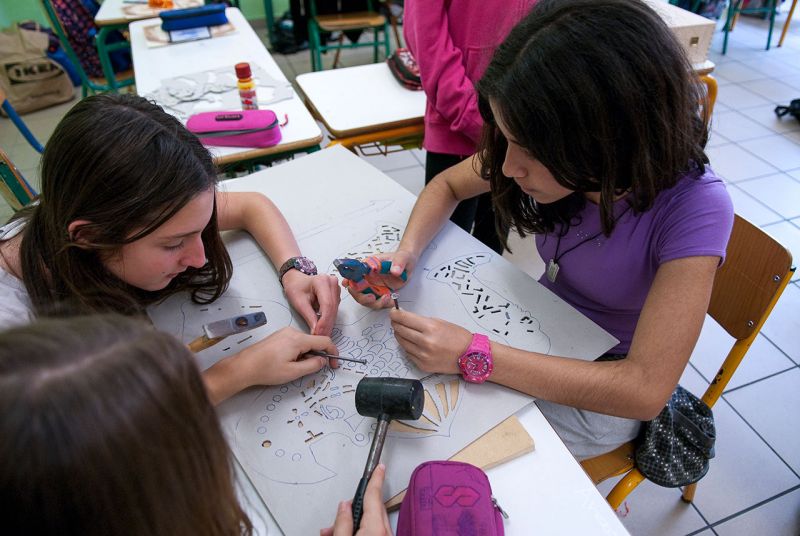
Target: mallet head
x: 392, y: 398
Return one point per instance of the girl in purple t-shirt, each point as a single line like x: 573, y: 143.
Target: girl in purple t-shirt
x: 594, y: 145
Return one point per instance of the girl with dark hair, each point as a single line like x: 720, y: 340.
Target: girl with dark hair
x: 595, y: 146
x: 129, y: 214
x: 106, y: 428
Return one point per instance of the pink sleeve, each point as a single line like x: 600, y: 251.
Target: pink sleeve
x: 441, y: 65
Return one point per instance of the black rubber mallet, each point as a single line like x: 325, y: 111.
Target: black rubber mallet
x: 384, y: 399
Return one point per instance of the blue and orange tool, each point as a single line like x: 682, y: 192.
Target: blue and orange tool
x: 354, y: 271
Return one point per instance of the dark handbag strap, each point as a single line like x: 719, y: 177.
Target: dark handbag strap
x: 793, y: 108
x: 686, y: 423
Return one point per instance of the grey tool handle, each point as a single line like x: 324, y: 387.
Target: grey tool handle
x: 372, y: 462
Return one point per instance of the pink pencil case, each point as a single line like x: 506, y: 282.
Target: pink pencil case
x: 240, y: 128
x: 447, y: 498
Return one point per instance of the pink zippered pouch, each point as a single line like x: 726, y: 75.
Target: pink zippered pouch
x: 449, y: 498
x: 239, y: 128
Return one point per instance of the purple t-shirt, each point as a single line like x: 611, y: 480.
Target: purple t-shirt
x: 608, y: 278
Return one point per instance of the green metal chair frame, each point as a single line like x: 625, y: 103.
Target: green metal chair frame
x: 735, y: 8
x: 315, y: 42
x: 93, y: 85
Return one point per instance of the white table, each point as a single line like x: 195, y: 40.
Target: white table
x: 155, y: 64
x: 364, y: 104
x: 544, y: 492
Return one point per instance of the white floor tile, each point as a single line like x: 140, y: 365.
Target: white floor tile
x: 738, y: 97
x: 715, y: 139
x: 412, y: 178
x: 5, y: 211
x: 780, y: 193
x: 765, y: 115
x: 779, y: 517
x: 770, y: 406
x: 783, y: 325
x: 771, y: 89
x: 771, y: 66
x: 737, y: 127
x: 9, y: 134
x: 788, y: 235
x: 419, y: 154
x: 778, y: 150
x: 750, y: 209
x: 392, y: 161
x: 737, y: 72
x: 733, y: 163
x: 762, y: 359
x: 652, y: 509
x: 744, y: 472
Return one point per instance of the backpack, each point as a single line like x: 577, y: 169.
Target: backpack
x: 77, y: 19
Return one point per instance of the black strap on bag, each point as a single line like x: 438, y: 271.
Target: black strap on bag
x: 793, y: 109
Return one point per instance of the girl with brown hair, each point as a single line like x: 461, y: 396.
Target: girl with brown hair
x: 106, y: 429
x: 595, y: 146
x: 129, y: 214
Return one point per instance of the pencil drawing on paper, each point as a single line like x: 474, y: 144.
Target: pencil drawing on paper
x: 487, y: 308
x: 290, y: 433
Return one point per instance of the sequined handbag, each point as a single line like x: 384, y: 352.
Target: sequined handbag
x: 678, y: 444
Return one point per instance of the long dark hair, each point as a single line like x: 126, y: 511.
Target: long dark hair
x: 106, y: 429
x: 127, y: 167
x: 603, y: 95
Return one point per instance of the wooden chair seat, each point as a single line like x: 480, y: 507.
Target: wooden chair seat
x: 614, y: 463
x: 350, y: 21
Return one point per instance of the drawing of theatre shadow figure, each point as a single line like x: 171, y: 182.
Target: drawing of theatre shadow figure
x: 507, y: 321
x: 297, y: 433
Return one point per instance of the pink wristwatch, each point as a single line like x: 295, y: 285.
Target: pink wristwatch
x: 476, y: 362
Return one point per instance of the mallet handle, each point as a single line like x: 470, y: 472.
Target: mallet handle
x: 372, y: 462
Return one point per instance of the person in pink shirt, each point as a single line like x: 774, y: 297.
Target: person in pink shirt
x: 453, y: 41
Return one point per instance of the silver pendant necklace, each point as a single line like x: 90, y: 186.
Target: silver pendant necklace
x: 553, y: 267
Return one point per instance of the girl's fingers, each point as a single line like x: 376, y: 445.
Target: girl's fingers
x: 408, y: 334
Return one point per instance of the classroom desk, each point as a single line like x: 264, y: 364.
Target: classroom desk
x: 545, y: 491
x: 116, y: 15
x: 301, y: 134
x: 365, y: 105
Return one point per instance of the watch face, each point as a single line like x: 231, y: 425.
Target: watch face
x: 475, y: 364
x: 305, y: 265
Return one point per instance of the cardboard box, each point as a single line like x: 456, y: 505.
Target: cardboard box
x: 693, y: 32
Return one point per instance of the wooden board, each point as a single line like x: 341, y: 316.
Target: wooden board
x: 506, y: 441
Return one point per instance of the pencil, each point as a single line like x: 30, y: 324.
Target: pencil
x: 331, y: 356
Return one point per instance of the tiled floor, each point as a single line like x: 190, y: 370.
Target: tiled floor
x: 753, y: 486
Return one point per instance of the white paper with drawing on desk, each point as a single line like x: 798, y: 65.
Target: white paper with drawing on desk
x: 303, y: 443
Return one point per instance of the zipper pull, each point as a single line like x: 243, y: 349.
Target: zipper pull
x: 499, y: 508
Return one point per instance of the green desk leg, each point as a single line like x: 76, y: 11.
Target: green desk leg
x: 270, y: 16
x: 104, y: 51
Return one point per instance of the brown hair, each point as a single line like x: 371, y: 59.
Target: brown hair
x: 106, y: 429
x: 601, y: 93
x: 127, y: 167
